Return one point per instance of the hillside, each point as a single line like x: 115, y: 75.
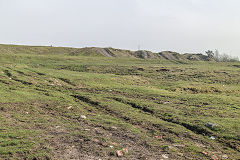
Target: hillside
x: 93, y: 103
x: 105, y: 52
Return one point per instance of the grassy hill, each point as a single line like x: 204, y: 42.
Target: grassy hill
x: 66, y: 103
x: 101, y: 52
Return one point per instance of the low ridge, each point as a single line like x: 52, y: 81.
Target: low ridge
x: 106, y: 52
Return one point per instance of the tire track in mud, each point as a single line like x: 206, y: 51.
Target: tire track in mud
x: 9, y: 74
x: 127, y: 139
x: 194, y: 129
x: 148, y: 127
x: 134, y: 140
x: 127, y: 119
x: 149, y: 111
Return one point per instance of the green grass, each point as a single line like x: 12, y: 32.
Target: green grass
x: 144, y: 98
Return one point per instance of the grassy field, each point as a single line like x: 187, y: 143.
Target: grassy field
x: 58, y: 106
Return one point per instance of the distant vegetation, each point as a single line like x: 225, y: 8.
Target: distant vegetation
x: 221, y: 57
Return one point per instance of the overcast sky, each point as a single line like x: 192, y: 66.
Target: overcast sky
x: 156, y: 25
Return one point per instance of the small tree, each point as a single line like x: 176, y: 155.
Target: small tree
x: 225, y: 57
x: 210, y: 54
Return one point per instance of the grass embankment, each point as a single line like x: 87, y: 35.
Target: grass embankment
x: 154, y: 108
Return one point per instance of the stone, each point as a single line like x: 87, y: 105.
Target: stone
x: 165, y: 156
x: 125, y: 150
x: 212, y: 138
x: 70, y: 107
x: 224, y: 156
x: 211, y: 125
x: 180, y: 154
x: 113, y: 128
x: 119, y: 153
x: 83, y: 117
x: 104, y: 144
x: 205, y: 153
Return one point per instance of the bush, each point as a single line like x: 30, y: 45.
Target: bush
x: 221, y: 57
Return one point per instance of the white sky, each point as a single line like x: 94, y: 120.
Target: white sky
x: 156, y: 25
